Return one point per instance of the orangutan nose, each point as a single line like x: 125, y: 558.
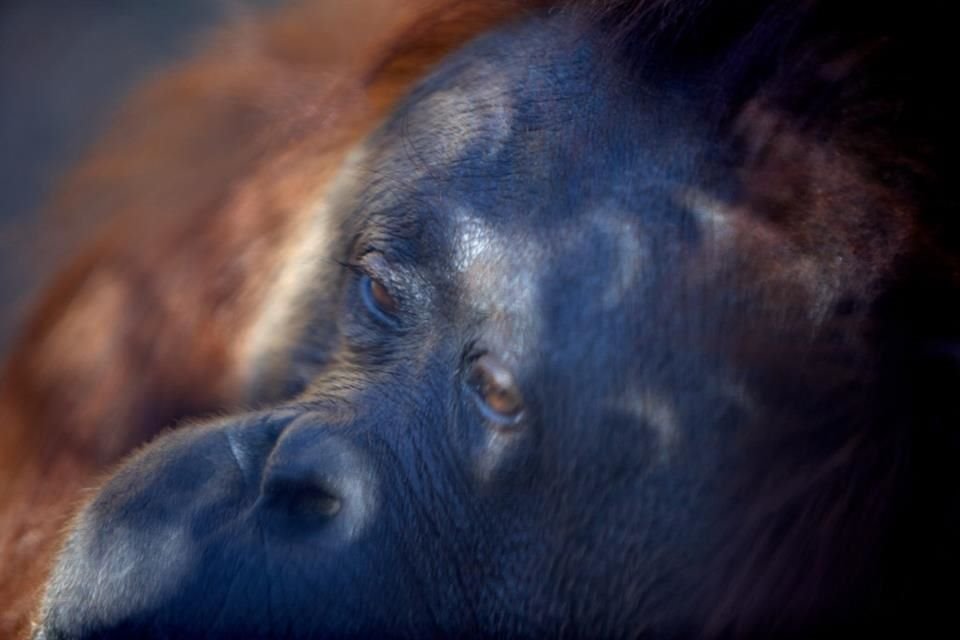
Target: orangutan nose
x: 314, y: 477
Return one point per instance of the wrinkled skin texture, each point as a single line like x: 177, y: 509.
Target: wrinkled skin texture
x: 508, y: 212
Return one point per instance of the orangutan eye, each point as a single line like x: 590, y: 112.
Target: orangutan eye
x: 375, y: 294
x: 378, y: 298
x: 495, y: 391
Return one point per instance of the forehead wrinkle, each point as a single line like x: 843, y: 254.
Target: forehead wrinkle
x: 466, y: 109
x: 434, y: 133
x: 386, y: 205
x: 656, y: 412
x: 454, y: 122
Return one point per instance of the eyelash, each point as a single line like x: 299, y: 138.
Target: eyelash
x: 356, y: 268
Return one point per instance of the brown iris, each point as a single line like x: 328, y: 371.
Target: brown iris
x: 381, y: 297
x: 375, y: 293
x: 497, y: 393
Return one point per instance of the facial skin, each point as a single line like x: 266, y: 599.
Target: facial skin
x: 535, y: 411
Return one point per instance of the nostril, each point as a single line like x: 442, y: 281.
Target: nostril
x: 316, y: 478
x: 323, y: 505
x: 307, y: 498
x: 311, y: 501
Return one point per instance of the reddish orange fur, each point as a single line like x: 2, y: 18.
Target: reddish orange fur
x: 194, y: 194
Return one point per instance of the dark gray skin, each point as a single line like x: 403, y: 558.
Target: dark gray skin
x: 665, y: 446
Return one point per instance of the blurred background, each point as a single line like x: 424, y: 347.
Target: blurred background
x: 65, y: 66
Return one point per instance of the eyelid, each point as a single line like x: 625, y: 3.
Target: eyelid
x: 362, y: 266
x: 375, y: 265
x: 472, y: 380
x: 372, y: 268
x: 371, y: 302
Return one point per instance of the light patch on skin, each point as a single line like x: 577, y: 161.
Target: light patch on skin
x: 657, y: 413
x: 495, y: 447
x: 283, y: 316
x: 500, y: 278
x: 625, y: 236
x: 478, y: 109
x: 731, y: 228
x: 500, y: 273
x: 716, y: 218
